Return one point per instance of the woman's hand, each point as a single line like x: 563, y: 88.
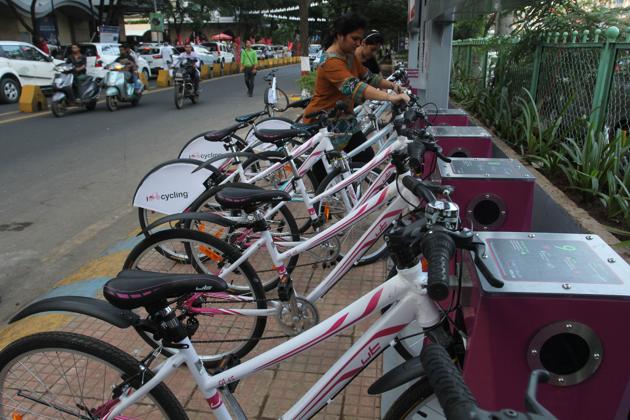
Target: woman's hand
x: 399, y: 98
x: 397, y: 88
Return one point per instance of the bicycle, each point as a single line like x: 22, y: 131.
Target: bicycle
x: 410, y: 295
x: 210, y: 255
x: 275, y: 98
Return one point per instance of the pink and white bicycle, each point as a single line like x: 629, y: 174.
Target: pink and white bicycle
x: 54, y: 375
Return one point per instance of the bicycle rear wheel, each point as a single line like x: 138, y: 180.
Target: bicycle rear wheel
x: 224, y: 331
x: 64, y: 375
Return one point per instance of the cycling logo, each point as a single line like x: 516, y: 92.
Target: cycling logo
x: 155, y: 196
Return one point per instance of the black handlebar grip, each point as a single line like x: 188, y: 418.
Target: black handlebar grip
x: 416, y: 150
x: 448, y: 385
x: 418, y: 189
x: 438, y: 248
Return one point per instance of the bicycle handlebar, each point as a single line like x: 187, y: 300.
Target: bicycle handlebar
x: 457, y: 400
x: 438, y: 248
x: 447, y: 382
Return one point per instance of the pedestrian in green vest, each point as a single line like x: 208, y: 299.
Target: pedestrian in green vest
x: 249, y: 61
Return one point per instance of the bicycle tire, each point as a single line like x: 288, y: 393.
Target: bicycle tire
x: 227, y: 251
x: 407, y: 404
x: 97, y: 350
x: 284, y: 101
x: 368, y: 258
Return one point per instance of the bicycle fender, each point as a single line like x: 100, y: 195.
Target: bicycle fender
x: 204, y: 217
x: 208, y: 163
x: 409, y: 371
x: 92, y: 307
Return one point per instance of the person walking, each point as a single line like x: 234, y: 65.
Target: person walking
x: 249, y: 61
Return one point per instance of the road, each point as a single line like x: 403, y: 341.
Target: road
x: 67, y: 184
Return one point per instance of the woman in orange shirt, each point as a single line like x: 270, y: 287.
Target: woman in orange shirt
x: 341, y: 76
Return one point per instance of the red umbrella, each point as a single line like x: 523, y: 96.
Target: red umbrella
x: 221, y: 37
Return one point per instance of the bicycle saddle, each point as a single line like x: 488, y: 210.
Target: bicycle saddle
x: 247, y: 118
x: 132, y: 289
x: 269, y: 135
x: 220, y: 135
x: 302, y: 103
x: 248, y: 197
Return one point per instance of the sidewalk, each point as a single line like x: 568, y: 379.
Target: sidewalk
x: 265, y: 395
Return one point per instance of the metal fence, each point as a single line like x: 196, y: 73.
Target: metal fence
x: 583, y: 76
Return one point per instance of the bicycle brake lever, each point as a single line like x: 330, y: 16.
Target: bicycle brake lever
x: 479, y: 248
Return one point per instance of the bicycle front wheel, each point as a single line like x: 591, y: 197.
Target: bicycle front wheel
x: 411, y: 405
x: 65, y: 375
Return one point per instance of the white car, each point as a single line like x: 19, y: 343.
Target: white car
x: 263, y: 51
x: 99, y: 54
x: 22, y: 64
x: 205, y: 56
x: 220, y: 50
x: 280, y: 51
x: 157, y: 56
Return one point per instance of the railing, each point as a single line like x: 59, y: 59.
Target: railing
x: 584, y: 76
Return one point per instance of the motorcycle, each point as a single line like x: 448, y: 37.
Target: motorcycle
x: 183, y: 83
x: 119, y: 89
x: 64, y: 95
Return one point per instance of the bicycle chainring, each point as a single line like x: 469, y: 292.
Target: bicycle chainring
x: 294, y: 324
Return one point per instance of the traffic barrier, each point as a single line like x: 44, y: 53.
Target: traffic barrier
x: 227, y: 69
x: 32, y: 99
x: 216, y: 70
x: 163, y: 78
x: 205, y: 71
x: 143, y: 78
x: 234, y: 66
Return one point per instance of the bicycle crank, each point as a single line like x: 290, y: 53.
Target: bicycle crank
x: 298, y: 316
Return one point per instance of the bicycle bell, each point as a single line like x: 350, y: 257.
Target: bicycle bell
x: 445, y: 213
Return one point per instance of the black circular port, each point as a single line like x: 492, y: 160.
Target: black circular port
x: 460, y: 154
x: 486, y: 212
x: 564, y: 354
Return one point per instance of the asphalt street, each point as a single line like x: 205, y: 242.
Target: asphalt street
x: 66, y: 185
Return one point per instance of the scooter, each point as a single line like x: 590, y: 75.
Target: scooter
x: 118, y: 89
x: 183, y: 83
x: 64, y: 93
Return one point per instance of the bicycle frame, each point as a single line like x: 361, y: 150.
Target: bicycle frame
x: 406, y: 294
x: 371, y: 235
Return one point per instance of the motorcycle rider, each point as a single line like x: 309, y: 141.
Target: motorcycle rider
x: 190, y: 54
x: 126, y: 58
x: 79, y: 62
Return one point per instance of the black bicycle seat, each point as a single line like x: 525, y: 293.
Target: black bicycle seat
x: 132, y: 289
x: 248, y: 197
x: 268, y: 135
x: 220, y: 135
x: 247, y: 118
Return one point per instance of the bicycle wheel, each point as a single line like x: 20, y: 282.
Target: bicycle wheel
x: 282, y: 226
x: 277, y: 180
x: 333, y: 209
x: 283, y: 101
x: 225, y: 332
x: 410, y: 404
x: 57, y: 375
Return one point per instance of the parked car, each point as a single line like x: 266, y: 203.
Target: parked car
x: 22, y: 64
x: 157, y: 56
x: 100, y: 54
x: 280, y: 51
x: 205, y: 55
x: 265, y: 51
x: 220, y: 51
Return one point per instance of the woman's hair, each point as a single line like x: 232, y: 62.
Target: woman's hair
x: 373, y: 37
x: 344, y: 25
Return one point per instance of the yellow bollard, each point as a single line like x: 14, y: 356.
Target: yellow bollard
x: 235, y: 69
x: 204, y: 71
x: 228, y: 69
x: 163, y: 78
x: 216, y: 70
x: 143, y: 79
x: 32, y: 99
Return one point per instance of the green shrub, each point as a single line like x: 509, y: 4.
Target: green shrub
x: 307, y: 82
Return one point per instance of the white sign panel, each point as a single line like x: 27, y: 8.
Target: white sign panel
x: 202, y: 149
x: 171, y: 188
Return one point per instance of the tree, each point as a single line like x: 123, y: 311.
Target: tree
x: 304, y: 6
